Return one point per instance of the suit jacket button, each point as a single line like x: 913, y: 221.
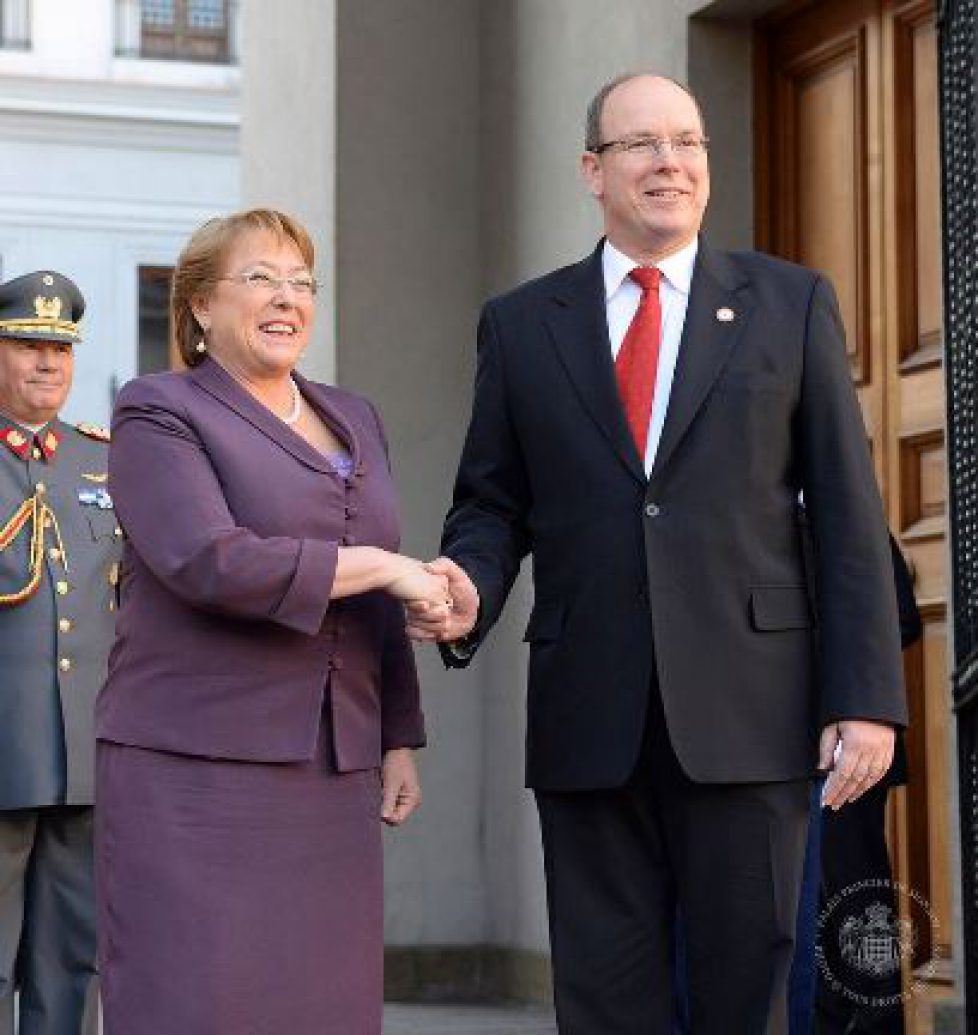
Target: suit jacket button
x: 65, y: 664
x: 62, y: 588
x: 651, y: 510
x: 64, y: 625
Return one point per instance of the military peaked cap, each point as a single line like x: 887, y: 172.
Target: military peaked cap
x: 41, y: 306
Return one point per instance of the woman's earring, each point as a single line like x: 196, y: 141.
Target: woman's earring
x: 201, y: 346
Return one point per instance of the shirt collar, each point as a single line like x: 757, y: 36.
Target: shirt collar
x: 676, y: 268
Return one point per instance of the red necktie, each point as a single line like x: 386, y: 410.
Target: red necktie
x: 638, y: 357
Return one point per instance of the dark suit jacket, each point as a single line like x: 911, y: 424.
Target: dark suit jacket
x: 227, y: 638
x: 695, y: 574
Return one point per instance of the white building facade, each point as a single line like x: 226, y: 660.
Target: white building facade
x: 120, y: 127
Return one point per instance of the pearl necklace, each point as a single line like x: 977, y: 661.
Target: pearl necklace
x: 293, y: 415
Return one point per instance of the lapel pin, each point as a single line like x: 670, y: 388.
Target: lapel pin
x: 725, y: 314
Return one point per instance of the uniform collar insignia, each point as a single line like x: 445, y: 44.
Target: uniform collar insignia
x: 15, y: 440
x: 48, y: 442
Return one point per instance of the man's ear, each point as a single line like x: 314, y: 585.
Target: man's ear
x: 593, y: 173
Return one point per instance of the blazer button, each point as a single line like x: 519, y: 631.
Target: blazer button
x: 651, y: 510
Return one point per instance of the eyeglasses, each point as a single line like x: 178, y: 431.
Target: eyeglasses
x: 686, y: 145
x: 302, y: 284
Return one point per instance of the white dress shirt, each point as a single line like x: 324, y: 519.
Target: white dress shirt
x: 622, y: 296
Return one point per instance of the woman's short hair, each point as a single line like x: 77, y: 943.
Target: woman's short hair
x: 202, y: 264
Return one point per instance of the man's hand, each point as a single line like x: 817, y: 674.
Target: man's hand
x: 864, y: 756
x: 459, y: 620
x: 402, y: 788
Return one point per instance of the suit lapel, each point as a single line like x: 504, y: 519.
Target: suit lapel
x: 217, y: 382
x: 719, y: 305
x: 318, y: 396
x: 578, y: 326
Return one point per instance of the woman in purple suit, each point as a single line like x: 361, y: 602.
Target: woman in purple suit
x: 262, y: 705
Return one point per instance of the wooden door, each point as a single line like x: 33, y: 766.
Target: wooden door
x: 847, y: 175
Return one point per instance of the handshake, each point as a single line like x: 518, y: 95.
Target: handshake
x: 440, y: 602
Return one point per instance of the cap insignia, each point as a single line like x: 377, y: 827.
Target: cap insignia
x: 47, y: 308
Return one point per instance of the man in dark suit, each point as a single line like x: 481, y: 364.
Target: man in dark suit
x: 59, y: 551
x: 643, y: 424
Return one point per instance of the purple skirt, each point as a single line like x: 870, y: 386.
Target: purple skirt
x: 237, y: 898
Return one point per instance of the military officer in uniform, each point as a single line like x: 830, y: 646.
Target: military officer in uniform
x: 59, y: 550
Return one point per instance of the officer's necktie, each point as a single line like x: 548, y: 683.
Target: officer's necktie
x: 638, y: 357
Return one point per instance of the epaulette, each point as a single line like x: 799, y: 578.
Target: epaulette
x: 95, y: 431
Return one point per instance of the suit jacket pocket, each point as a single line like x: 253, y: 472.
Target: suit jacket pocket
x: 778, y: 608
x: 546, y: 622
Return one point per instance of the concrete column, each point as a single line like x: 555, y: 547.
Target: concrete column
x: 539, y: 70
x: 288, y: 137
x: 408, y: 289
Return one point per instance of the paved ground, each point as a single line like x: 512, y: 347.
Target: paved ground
x: 405, y: 1019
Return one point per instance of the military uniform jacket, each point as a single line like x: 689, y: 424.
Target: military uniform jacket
x: 54, y: 644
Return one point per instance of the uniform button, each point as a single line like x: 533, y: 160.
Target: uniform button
x: 47, y: 521
x: 351, y: 511
x: 62, y: 588
x: 54, y: 553
x: 651, y: 510
x: 64, y: 625
x: 65, y: 664
x: 41, y: 488
x: 35, y: 453
x: 117, y: 532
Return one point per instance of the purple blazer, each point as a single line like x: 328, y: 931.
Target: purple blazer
x: 226, y: 640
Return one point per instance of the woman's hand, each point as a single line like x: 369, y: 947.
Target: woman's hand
x: 402, y: 788
x: 412, y: 582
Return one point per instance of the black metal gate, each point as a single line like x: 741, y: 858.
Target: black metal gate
x: 959, y: 117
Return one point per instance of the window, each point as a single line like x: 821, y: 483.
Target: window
x: 153, y: 354
x: 181, y: 30
x: 15, y: 24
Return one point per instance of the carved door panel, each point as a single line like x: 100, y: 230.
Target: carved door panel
x: 847, y: 181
